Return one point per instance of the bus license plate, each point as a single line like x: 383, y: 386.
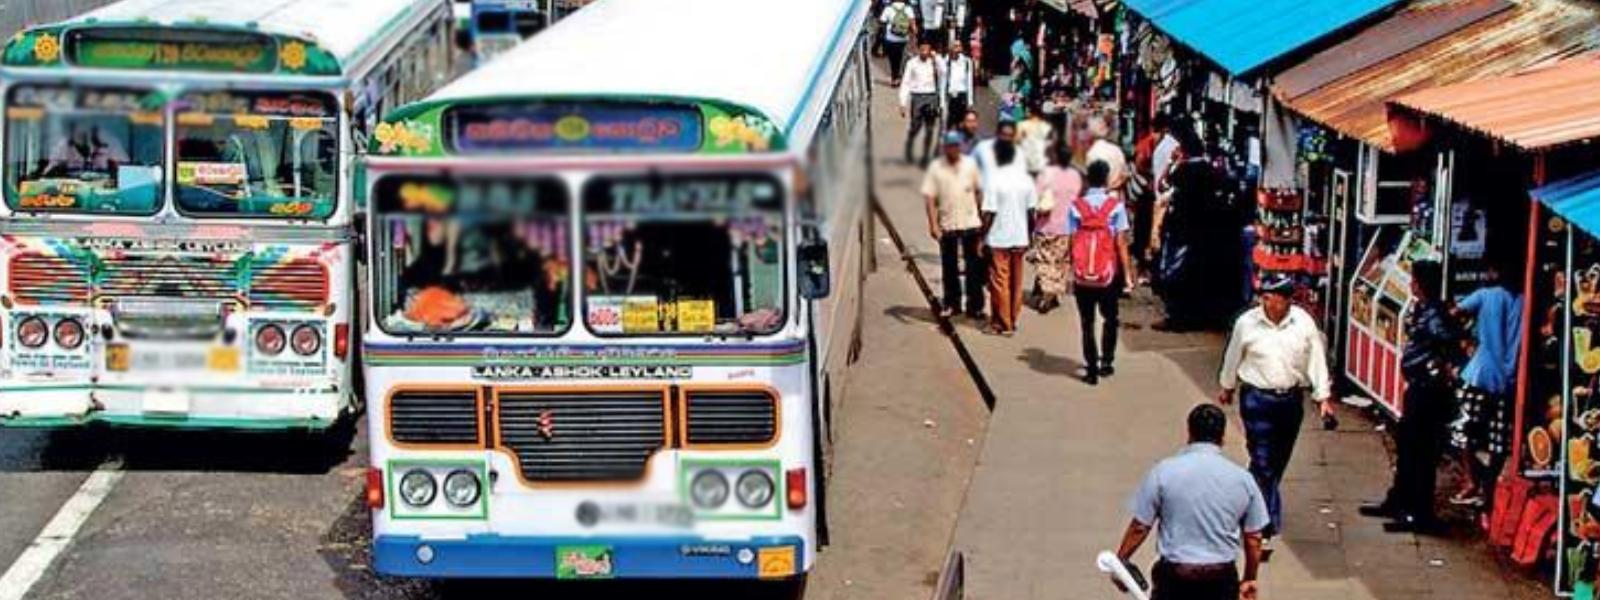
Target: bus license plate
x: 122, y: 358
x: 671, y: 515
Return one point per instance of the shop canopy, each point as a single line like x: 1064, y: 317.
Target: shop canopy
x: 1242, y: 36
x: 1577, y: 200
x: 1428, y: 45
x: 1533, y: 110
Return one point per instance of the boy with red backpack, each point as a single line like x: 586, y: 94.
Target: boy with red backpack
x: 1098, y: 238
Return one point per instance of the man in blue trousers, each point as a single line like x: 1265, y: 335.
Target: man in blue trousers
x: 1275, y: 355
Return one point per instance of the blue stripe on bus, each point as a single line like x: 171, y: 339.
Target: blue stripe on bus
x: 535, y: 557
x: 821, y: 67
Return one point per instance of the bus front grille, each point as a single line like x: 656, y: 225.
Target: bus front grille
x: 582, y: 436
x: 730, y: 417
x: 300, y: 284
x: 37, y: 279
x: 168, y: 275
x: 435, y: 418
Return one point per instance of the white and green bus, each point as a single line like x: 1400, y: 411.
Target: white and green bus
x: 616, y: 274
x: 176, y: 236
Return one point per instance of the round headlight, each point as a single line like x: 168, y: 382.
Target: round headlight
x: 32, y: 332
x: 306, y: 340
x: 709, y: 489
x: 69, y: 334
x: 417, y: 488
x: 461, y: 488
x: 270, y: 340
x: 755, y: 489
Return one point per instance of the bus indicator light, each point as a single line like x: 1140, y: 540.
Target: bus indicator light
x: 341, y: 340
x: 796, y: 485
x: 374, y: 489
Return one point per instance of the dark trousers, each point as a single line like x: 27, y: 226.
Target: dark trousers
x: 1419, y: 442
x: 1271, y: 426
x: 962, y: 269
x: 896, y: 53
x: 1194, y: 582
x: 956, y: 109
x: 1103, y: 300
x: 924, y: 120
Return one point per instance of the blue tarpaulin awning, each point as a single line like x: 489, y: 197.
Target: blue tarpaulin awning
x: 1243, y: 35
x: 1577, y: 200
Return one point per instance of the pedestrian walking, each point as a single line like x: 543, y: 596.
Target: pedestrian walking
x: 1274, y: 355
x: 919, y: 99
x: 1429, y: 365
x: 1059, y: 186
x: 1481, y: 434
x: 1009, y: 199
x: 951, y: 189
x: 1034, y: 135
x: 956, y: 77
x: 968, y: 129
x: 976, y: 40
x: 1097, y: 233
x: 1105, y: 150
x: 1206, y: 511
x: 899, y: 23
x: 984, y: 152
x: 932, y: 13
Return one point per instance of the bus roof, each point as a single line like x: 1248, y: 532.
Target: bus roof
x: 345, y: 31
x: 764, y: 55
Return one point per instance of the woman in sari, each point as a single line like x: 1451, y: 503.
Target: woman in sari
x: 1059, y: 184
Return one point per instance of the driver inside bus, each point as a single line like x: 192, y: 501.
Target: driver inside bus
x: 85, y: 151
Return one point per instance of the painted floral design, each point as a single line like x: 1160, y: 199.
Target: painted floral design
x: 47, y: 48
x: 293, y: 56
x: 744, y: 131
x: 393, y: 137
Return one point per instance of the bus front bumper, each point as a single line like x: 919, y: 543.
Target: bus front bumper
x: 589, y: 558
x: 200, y: 407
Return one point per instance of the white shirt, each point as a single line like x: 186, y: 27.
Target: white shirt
x: 984, y: 154
x: 932, y: 14
x: 1008, y: 196
x: 894, y: 11
x: 1277, y: 356
x: 1110, y: 154
x: 1162, y: 160
x: 921, y: 77
x: 956, y: 75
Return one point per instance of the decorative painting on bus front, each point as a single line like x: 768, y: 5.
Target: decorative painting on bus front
x: 573, y: 127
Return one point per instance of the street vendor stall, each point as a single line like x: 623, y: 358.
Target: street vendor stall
x: 1380, y: 300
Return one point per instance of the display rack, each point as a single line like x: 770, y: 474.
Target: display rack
x: 1287, y: 246
x: 1380, y: 301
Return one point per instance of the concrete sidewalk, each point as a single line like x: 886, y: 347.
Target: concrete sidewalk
x: 1061, y: 459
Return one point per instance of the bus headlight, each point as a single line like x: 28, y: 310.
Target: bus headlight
x: 417, y: 488
x: 461, y: 488
x: 306, y: 340
x: 709, y: 489
x: 270, y: 340
x: 755, y: 489
x: 69, y: 334
x: 32, y: 332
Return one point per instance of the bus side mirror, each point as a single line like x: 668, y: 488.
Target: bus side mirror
x: 815, y: 275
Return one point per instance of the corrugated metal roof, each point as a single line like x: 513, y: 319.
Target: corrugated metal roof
x: 1533, y: 110
x: 1535, y: 32
x: 1244, y: 35
x: 1577, y: 200
x: 1418, y: 24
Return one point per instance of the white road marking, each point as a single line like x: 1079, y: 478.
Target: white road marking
x: 58, y: 533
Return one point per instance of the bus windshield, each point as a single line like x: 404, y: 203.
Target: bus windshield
x: 84, y: 150
x: 472, y: 256
x: 245, y: 154
x: 684, y: 254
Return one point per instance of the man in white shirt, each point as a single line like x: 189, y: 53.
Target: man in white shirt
x: 899, y: 25
x: 1009, y: 199
x: 1005, y: 132
x: 919, y: 94
x: 1275, y: 353
x: 1104, y: 150
x: 932, y: 21
x: 955, y: 73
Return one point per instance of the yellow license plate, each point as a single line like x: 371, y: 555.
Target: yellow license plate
x: 223, y: 359
x: 117, y: 357
x: 772, y: 563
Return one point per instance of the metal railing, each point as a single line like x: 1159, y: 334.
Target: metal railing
x: 953, y: 582
x: 16, y: 15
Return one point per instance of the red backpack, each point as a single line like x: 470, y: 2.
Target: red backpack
x: 1094, y: 246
